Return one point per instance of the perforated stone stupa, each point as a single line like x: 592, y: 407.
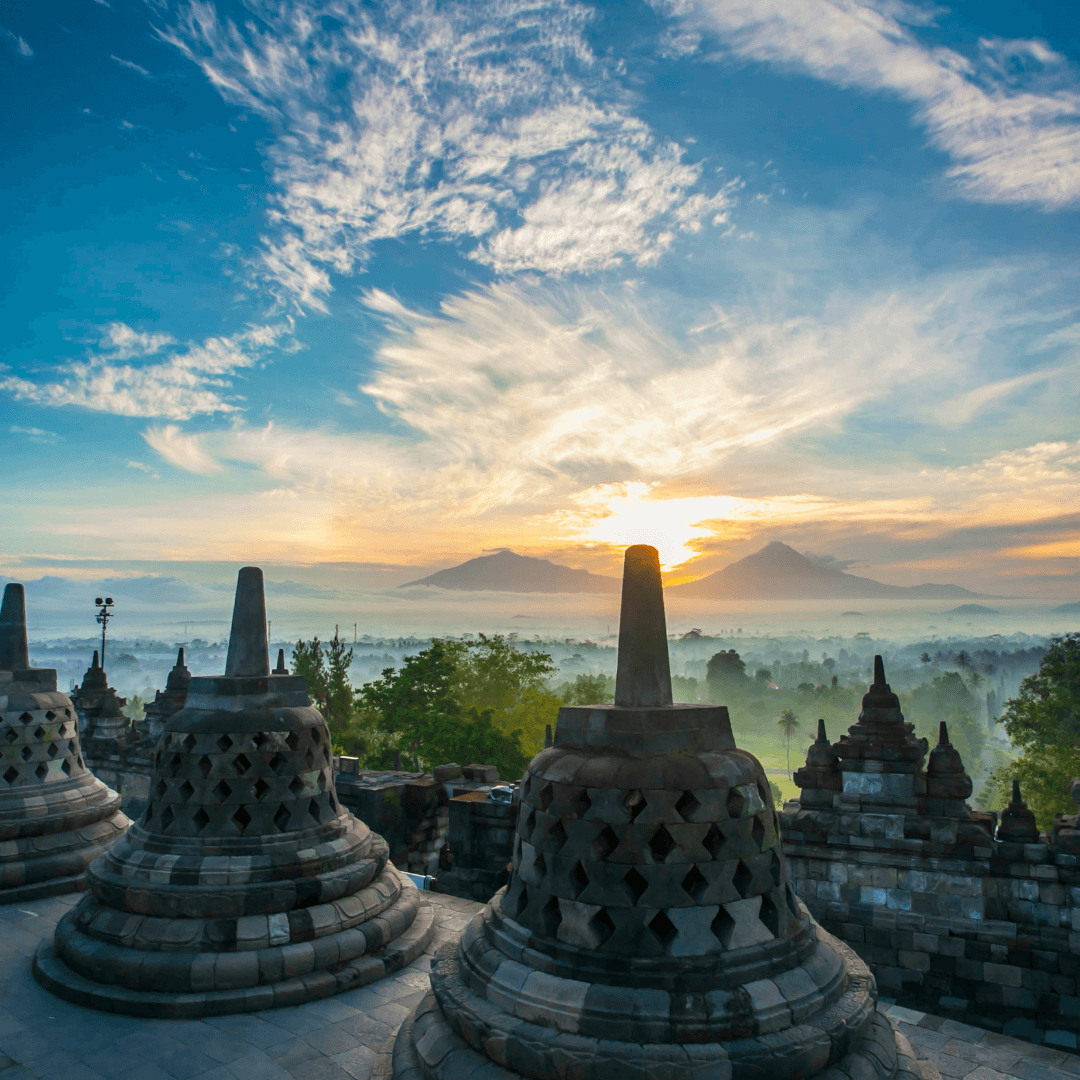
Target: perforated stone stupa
x: 55, y: 815
x: 246, y: 884
x: 649, y: 930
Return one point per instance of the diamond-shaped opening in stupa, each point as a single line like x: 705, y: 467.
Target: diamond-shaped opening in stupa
x: 688, y: 805
x: 552, y: 916
x: 723, y: 926
x: 241, y: 764
x: 224, y: 743
x: 53, y: 750
x: 695, y: 884
x: 201, y: 819
x: 547, y: 794
x: 11, y: 774
x: 770, y: 915
x: 26, y: 753
x: 579, y: 880
x: 606, y: 842
x: 186, y: 790
x: 582, y: 803
x: 281, y: 819
x: 735, y: 803
x: 757, y: 832
x: 41, y: 771
x: 776, y: 868
x: 601, y: 927
x: 242, y: 819
x: 557, y: 834
x: 664, y: 929
x: 189, y: 741
x: 743, y: 880
x: 661, y: 844
x: 636, y: 882
x: 40, y: 732
x: 634, y: 802
x: 9, y: 735
x: 205, y: 764
x: 260, y: 788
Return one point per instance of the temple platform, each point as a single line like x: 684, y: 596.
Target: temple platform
x: 347, y: 1037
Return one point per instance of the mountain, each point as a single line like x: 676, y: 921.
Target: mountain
x: 779, y: 572
x: 1067, y: 609
x: 972, y: 609
x: 506, y: 571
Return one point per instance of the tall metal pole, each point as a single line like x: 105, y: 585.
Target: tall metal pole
x: 103, y: 617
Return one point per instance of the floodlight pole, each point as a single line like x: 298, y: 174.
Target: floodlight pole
x: 103, y: 617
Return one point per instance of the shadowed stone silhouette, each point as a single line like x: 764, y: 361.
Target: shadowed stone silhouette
x: 649, y: 929
x: 55, y: 815
x: 246, y: 885
x: 169, y: 701
x: 100, y: 707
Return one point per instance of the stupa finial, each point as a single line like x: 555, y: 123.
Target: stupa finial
x: 281, y: 669
x: 13, y: 650
x: 643, y: 677
x: 879, y: 672
x: 95, y: 663
x: 248, y: 655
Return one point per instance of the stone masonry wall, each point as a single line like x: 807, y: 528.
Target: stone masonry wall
x: 982, y: 927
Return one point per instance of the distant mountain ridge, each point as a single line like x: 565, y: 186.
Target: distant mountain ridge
x: 506, y: 571
x: 779, y: 572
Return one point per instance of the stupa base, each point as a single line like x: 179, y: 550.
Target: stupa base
x: 42, y: 890
x: 53, y: 864
x: 429, y: 1048
x: 54, y: 975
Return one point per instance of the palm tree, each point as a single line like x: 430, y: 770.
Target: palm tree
x: 788, y: 723
x: 962, y: 659
x: 924, y: 658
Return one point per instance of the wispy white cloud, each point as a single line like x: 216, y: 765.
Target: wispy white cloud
x: 35, y: 434
x: 19, y: 44
x: 141, y: 466
x: 129, y: 64
x: 964, y: 408
x: 1008, y: 117
x: 488, y: 124
x: 183, y: 385
x: 185, y: 451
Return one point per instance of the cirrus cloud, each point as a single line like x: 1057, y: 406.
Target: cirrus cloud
x: 492, y: 125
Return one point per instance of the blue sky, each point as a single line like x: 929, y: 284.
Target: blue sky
x: 392, y: 284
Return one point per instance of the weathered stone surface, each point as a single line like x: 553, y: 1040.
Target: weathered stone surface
x: 246, y: 884
x: 55, y: 815
x: 649, y: 928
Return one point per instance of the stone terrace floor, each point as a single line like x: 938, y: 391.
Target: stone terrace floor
x: 348, y: 1037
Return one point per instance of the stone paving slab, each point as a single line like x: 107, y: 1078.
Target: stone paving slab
x: 347, y: 1037
x: 962, y: 1052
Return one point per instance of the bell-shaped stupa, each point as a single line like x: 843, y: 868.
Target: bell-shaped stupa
x: 246, y: 885
x: 99, y: 706
x: 169, y: 701
x: 55, y: 815
x: 649, y: 929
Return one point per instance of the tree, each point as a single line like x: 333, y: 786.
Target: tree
x: 1043, y: 721
x: 925, y: 658
x: 763, y: 675
x: 788, y: 724
x: 325, y: 670
x: 414, y: 701
x: 491, y: 674
x: 725, y: 667
x: 587, y: 690
x: 962, y: 659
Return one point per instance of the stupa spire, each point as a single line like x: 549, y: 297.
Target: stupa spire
x: 248, y: 655
x: 13, y: 651
x: 643, y: 676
